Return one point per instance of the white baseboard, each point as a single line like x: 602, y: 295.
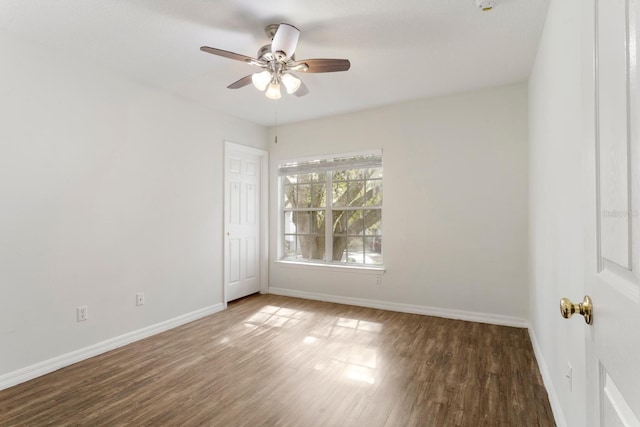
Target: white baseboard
x: 48, y: 366
x: 494, y: 319
x: 548, y: 384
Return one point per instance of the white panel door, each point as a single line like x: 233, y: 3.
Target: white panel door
x: 613, y: 236
x: 242, y: 223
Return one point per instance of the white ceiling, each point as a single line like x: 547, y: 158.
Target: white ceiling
x: 399, y: 50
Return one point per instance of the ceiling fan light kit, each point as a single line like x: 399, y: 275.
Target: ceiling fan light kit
x: 261, y: 80
x: 273, y: 91
x: 277, y: 61
x: 291, y: 82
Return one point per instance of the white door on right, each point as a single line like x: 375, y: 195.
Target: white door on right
x: 613, y: 236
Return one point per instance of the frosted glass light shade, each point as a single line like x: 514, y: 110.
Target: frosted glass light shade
x: 290, y: 82
x: 285, y: 40
x: 261, y: 80
x: 273, y: 91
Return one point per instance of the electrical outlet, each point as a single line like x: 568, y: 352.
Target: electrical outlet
x: 82, y: 313
x: 140, y: 298
x: 569, y: 376
x: 378, y: 279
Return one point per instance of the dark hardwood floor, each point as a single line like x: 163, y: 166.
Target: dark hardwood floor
x: 277, y: 361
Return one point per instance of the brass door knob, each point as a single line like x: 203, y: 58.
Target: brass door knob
x: 585, y: 308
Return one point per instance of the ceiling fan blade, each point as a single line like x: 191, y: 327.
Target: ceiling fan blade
x: 241, y: 83
x: 232, y: 55
x: 302, y: 90
x: 285, y: 41
x: 321, y: 65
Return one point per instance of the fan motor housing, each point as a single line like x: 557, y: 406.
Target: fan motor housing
x: 270, y: 30
x: 264, y: 53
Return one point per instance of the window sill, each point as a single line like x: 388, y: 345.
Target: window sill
x: 365, y: 269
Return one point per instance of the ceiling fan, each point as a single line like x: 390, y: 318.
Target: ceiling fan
x: 278, y: 63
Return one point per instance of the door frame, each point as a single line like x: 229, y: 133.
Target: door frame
x: 263, y: 221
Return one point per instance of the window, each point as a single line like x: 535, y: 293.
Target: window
x: 332, y: 210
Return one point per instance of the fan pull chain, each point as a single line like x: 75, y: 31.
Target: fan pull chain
x: 276, y: 136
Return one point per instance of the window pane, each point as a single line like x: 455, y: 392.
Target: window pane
x: 305, y: 178
x: 304, y: 196
x: 340, y: 222
x: 289, y: 225
x: 373, y: 173
x: 317, y: 221
x: 340, y: 176
x: 289, y: 195
x: 340, y: 235
x: 373, y: 245
x: 355, y: 173
x: 289, y: 248
x: 374, y: 193
x: 340, y: 196
x: 373, y: 250
x: 373, y: 222
x: 309, y: 222
x: 318, y: 195
x: 339, y: 247
x: 355, y: 250
x: 312, y: 246
x: 356, y: 223
x: 356, y: 194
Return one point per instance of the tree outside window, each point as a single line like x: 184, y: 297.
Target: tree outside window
x: 332, y: 210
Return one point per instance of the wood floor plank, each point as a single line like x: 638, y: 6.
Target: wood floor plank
x: 278, y: 361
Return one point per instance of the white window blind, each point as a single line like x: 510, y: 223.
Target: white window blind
x: 333, y: 164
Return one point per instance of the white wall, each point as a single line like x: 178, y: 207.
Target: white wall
x: 556, y: 235
x: 107, y: 188
x: 455, y: 201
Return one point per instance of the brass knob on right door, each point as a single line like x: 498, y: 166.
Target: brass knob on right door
x: 585, y: 308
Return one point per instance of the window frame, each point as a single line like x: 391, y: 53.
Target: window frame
x: 328, y: 210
